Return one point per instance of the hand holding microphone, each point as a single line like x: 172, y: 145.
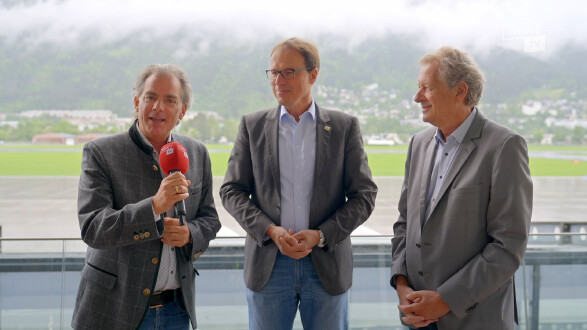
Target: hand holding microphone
x: 174, y: 158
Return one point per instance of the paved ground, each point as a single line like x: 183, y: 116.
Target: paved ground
x: 45, y: 207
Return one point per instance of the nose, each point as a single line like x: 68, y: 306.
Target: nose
x: 279, y: 79
x: 158, y: 104
x: 418, y: 98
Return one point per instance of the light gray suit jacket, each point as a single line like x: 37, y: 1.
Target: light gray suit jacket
x: 119, y: 178
x: 251, y: 193
x: 475, y: 236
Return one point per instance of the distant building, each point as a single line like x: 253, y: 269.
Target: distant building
x: 387, y: 139
x: 54, y: 138
x: 83, y: 119
x: 85, y: 138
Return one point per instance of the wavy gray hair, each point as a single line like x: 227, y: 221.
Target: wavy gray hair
x: 456, y: 66
x: 171, y: 69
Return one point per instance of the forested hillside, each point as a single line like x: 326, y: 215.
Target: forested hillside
x: 228, y: 78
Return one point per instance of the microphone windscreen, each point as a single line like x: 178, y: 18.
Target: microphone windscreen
x: 174, y: 157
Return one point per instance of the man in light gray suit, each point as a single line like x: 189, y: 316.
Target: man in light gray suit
x: 465, y: 206
x: 298, y: 182
x: 139, y: 266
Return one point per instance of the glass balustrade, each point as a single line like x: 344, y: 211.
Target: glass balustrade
x: 39, y: 279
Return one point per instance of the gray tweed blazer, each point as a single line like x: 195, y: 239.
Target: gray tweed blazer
x: 119, y: 178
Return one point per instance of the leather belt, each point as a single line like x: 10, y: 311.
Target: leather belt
x: 163, y: 297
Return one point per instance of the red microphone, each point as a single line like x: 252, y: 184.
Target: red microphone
x: 174, y: 158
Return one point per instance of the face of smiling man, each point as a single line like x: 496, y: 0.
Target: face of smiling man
x: 294, y: 94
x: 159, y: 108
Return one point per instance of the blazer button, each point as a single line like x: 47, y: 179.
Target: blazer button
x: 147, y: 234
x: 420, y: 273
x: 155, y: 168
x: 154, y: 261
x: 197, y: 255
x: 141, y: 236
x: 146, y: 292
x: 136, y: 237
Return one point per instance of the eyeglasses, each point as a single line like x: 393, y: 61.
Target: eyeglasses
x: 287, y: 74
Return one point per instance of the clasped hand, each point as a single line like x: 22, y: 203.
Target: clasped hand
x: 422, y: 308
x: 294, y: 245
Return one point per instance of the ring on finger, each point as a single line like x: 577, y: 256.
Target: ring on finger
x: 176, y: 189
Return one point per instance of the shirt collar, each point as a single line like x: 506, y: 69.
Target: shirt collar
x: 311, y: 110
x: 461, y: 131
x: 146, y: 141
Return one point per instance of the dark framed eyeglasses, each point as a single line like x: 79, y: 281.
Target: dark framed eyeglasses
x: 287, y: 74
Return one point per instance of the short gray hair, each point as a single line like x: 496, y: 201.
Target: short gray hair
x: 171, y: 69
x: 456, y: 66
x: 306, y: 48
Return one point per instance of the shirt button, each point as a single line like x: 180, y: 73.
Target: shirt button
x: 172, y: 249
x: 418, y: 245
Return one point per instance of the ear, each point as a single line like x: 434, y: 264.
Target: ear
x: 313, y: 75
x: 136, y: 100
x: 184, y: 108
x: 462, y: 89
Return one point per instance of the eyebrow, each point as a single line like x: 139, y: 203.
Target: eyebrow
x: 155, y: 94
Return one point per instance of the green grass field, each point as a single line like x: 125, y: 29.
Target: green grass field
x: 35, y: 160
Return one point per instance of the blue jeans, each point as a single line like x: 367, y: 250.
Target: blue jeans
x: 170, y: 316
x: 295, y: 283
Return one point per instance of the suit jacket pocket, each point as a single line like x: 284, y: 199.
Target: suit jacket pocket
x: 194, y: 190
x: 98, y: 276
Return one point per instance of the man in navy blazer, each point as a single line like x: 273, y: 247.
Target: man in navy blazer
x: 465, y: 206
x: 139, y: 265
x: 298, y: 182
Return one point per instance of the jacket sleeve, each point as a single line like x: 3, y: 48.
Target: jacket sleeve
x: 359, y: 188
x: 238, y: 187
x: 398, y: 242
x: 508, y: 220
x: 205, y: 225
x: 102, y: 224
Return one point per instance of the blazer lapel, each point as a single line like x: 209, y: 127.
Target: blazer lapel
x: 467, y: 147
x: 272, y: 138
x: 323, y: 130
x: 425, y: 177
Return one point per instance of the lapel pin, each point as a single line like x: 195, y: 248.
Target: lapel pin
x: 326, y: 128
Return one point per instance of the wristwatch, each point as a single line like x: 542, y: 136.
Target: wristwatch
x: 322, y: 242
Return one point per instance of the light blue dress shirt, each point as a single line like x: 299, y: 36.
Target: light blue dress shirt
x: 444, y: 155
x: 297, y: 155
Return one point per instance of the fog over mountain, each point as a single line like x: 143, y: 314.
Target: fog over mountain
x: 85, y: 54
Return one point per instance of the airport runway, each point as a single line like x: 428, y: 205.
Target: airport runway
x: 45, y: 207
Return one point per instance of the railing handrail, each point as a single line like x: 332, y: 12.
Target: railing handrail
x: 242, y: 237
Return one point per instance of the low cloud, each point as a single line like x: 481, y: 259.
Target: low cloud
x: 477, y: 26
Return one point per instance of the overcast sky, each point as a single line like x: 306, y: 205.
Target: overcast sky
x: 476, y: 25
